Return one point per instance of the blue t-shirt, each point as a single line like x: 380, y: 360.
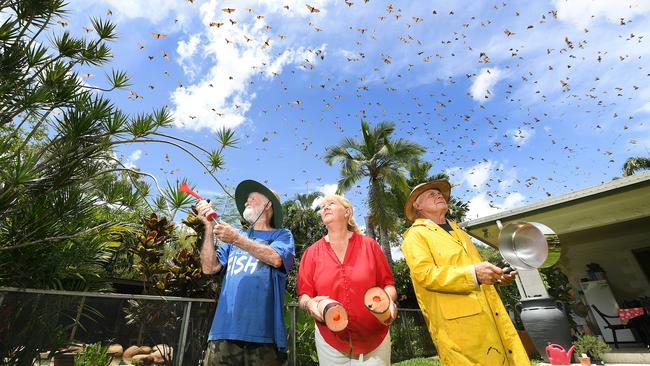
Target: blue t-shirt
x: 251, y: 304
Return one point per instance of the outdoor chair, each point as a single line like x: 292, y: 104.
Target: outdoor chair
x: 612, y: 327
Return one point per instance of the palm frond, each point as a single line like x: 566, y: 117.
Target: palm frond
x: 635, y: 164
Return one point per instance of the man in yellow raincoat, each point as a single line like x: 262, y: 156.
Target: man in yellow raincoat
x: 455, y: 288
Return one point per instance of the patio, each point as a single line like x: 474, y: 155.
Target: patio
x: 625, y: 356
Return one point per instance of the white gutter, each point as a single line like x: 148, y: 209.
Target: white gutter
x: 572, y: 196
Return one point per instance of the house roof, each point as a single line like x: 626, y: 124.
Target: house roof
x: 620, y: 201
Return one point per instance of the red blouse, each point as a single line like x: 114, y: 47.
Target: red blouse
x: 364, y: 266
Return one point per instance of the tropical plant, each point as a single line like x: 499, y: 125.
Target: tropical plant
x: 93, y: 355
x: 309, y: 200
x: 66, y: 201
x: 156, y: 233
x: 179, y: 275
x: 32, y: 324
x: 404, y: 285
x: 634, y: 164
x: 593, y: 346
x: 384, y: 162
x: 305, y: 226
x: 303, y: 221
x: 305, y: 343
x: 410, y: 337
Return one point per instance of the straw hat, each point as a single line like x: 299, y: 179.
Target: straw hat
x: 246, y: 187
x: 440, y: 184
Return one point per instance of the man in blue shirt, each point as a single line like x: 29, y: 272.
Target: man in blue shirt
x: 248, y: 325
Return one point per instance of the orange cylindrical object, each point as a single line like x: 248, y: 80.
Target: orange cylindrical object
x: 335, y: 315
x: 378, y: 302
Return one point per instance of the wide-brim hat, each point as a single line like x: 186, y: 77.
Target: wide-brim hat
x: 248, y: 186
x: 440, y: 184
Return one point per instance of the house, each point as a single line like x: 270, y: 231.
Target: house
x: 608, y: 224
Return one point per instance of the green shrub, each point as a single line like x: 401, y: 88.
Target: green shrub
x: 591, y: 345
x: 94, y: 355
x: 404, y: 286
x: 410, y: 337
x: 305, y: 343
x: 419, y: 362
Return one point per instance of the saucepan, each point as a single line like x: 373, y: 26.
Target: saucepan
x: 528, y: 245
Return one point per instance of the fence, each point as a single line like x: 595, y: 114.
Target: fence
x: 34, y: 321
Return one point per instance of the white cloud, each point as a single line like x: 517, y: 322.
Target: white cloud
x: 187, y: 50
x: 521, y: 135
x: 512, y: 200
x: 236, y: 54
x: 486, y: 80
x: 510, y: 176
x: 133, y: 157
x: 325, y: 189
x: 482, y: 205
x: 396, y: 253
x: 478, y: 175
x: 583, y: 12
x: 491, y: 183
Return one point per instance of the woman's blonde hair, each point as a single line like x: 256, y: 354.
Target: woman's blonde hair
x: 352, y: 225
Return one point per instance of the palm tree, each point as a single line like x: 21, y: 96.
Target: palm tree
x: 305, y: 226
x: 384, y: 162
x: 306, y: 200
x: 634, y: 164
x: 303, y: 221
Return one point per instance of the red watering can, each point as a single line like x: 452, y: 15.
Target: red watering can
x: 557, y: 355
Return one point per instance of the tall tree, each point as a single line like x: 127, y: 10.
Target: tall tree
x: 306, y: 226
x: 303, y: 220
x: 306, y: 200
x: 634, y: 164
x: 384, y: 162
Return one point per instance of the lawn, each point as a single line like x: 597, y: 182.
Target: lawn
x: 419, y: 362
x: 434, y: 362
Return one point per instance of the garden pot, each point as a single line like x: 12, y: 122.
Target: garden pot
x: 64, y: 359
x: 545, y: 322
x: 529, y: 346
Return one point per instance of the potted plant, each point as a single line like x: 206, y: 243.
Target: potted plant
x: 94, y: 355
x: 593, y: 346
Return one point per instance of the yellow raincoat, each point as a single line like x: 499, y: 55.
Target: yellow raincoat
x: 468, y: 323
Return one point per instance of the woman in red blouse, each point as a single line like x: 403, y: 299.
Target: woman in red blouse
x: 342, y: 266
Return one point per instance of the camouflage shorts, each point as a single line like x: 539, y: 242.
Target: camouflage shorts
x: 240, y: 353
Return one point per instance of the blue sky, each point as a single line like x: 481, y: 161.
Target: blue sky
x: 517, y: 101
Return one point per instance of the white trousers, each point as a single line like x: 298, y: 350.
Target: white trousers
x: 330, y: 356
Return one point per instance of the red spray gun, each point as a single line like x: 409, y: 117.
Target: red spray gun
x: 186, y: 189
